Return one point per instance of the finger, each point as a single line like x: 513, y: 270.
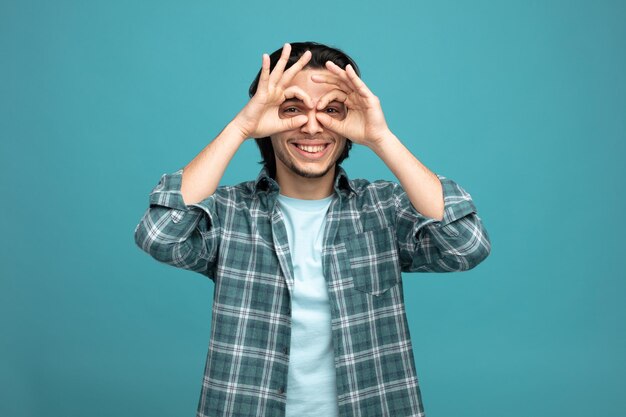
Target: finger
x: 294, y: 122
x: 329, y: 123
x: 336, y: 69
x: 277, y: 72
x: 349, y: 75
x: 265, y: 72
x: 356, y: 81
x: 332, y: 95
x: 297, y: 92
x: 293, y: 70
x: 318, y: 78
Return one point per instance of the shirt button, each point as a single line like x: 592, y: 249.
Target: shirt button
x: 281, y: 391
x: 286, y: 350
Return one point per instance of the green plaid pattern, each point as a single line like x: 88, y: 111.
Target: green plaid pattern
x: 237, y: 237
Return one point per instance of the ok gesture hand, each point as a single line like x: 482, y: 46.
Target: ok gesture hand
x: 259, y: 118
x: 364, y: 122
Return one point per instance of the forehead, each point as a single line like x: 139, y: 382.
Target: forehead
x: 315, y: 90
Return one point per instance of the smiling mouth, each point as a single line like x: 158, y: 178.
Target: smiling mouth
x: 311, y: 149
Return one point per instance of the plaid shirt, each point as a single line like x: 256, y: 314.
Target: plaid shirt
x: 237, y: 237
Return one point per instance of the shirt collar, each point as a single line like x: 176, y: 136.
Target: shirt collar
x: 343, y: 186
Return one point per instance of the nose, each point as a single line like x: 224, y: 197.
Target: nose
x: 312, y: 126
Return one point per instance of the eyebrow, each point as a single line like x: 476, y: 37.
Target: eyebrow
x: 293, y: 100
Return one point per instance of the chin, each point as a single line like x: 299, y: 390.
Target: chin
x: 310, y: 173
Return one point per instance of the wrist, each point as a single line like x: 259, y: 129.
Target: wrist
x: 382, y: 142
x: 239, y: 128
x: 236, y: 129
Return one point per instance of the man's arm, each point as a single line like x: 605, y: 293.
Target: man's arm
x: 438, y: 229
x: 365, y: 124
x: 456, y: 240
x: 258, y: 119
x: 202, y: 175
x: 445, y: 234
x: 181, y: 226
x: 421, y: 185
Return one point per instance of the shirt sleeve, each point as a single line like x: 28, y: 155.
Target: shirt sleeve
x: 457, y: 242
x: 184, y: 236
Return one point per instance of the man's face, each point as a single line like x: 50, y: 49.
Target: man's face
x: 311, y: 150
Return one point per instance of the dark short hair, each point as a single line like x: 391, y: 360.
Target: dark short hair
x: 319, y: 55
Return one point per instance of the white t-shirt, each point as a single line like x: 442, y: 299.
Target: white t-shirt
x: 311, y: 383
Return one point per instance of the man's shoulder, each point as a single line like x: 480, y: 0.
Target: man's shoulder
x: 376, y: 189
x: 244, y: 189
x: 362, y: 183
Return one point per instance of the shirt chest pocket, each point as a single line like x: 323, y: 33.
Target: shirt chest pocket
x: 374, y: 261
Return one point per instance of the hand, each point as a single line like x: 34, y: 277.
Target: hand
x: 260, y: 117
x: 364, y: 122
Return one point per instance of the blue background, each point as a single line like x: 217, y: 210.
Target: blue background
x: 523, y: 103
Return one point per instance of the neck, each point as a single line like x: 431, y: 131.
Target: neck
x: 295, y: 186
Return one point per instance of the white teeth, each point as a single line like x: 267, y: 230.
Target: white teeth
x: 311, y: 149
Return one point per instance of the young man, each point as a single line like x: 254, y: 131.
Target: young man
x: 308, y: 308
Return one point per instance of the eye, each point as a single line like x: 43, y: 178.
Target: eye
x: 290, y: 109
x: 334, y: 111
